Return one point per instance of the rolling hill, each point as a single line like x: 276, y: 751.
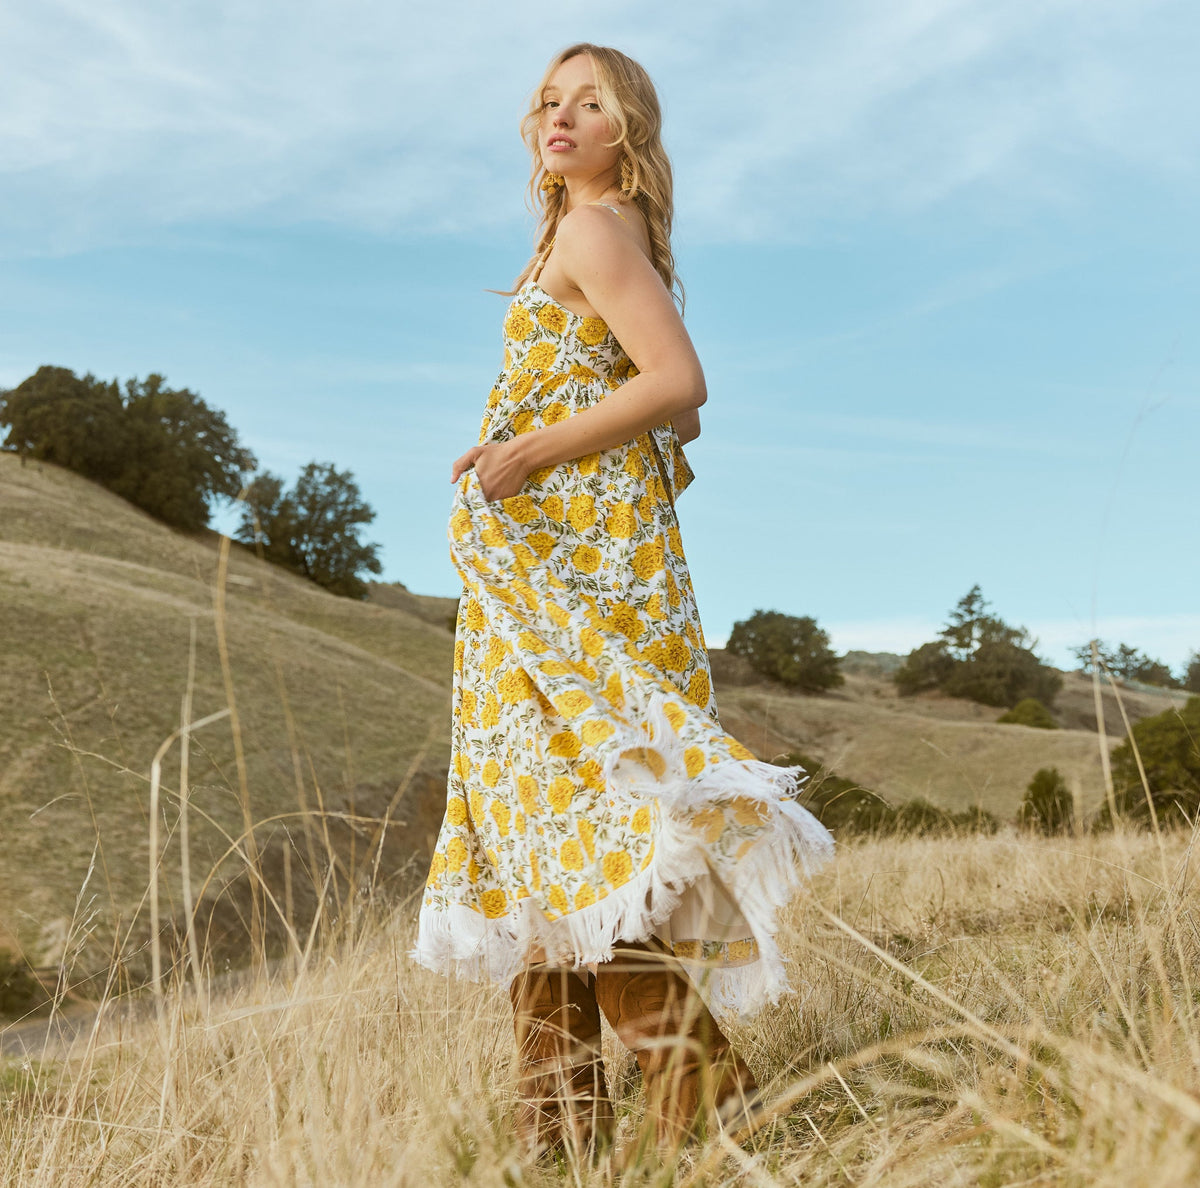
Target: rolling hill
x: 336, y: 701
x: 341, y: 706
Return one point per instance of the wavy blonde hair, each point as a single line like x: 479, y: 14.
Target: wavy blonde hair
x: 627, y: 97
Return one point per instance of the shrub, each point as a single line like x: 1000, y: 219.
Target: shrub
x: 920, y: 818
x: 926, y: 667
x: 847, y: 808
x: 1169, y: 745
x: 314, y: 528
x: 1048, y: 805
x: 1125, y: 662
x: 1002, y: 673
x: 841, y: 805
x: 1029, y: 712
x: 20, y: 991
x: 1191, y: 674
x: 792, y: 650
x: 76, y: 422
x: 976, y: 820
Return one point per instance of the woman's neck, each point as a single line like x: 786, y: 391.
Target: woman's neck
x: 593, y: 190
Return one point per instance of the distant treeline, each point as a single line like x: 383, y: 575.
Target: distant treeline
x: 173, y: 455
x: 977, y: 655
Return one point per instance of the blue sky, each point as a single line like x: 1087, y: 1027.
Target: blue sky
x: 941, y: 261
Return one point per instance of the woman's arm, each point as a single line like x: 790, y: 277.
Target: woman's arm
x: 602, y: 258
x: 687, y: 425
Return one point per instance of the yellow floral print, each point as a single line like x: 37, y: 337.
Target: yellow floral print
x: 583, y: 718
x: 572, y: 703
x: 586, y: 558
x: 540, y: 357
x: 617, y: 866
x: 582, y: 512
x: 494, y: 903
x: 553, y: 318
x: 518, y: 325
x: 522, y: 508
x: 622, y: 522
x: 591, y: 331
x: 587, y: 834
x: 562, y: 792
x: 565, y: 743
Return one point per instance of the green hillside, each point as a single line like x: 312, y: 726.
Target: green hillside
x: 97, y: 604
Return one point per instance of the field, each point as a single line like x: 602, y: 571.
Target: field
x: 342, y: 712
x: 967, y: 1010
x: 339, y: 705
x: 980, y: 1011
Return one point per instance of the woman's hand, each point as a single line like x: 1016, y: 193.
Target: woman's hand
x: 497, y: 465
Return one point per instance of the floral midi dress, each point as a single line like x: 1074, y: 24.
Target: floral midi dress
x: 593, y: 796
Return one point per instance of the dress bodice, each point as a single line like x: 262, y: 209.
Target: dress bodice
x: 556, y: 363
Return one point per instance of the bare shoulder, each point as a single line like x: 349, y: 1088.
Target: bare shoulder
x: 597, y: 230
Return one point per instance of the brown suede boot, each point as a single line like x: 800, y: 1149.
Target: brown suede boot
x: 563, y: 1101
x: 691, y: 1073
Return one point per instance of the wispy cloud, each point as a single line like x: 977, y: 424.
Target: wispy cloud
x: 122, y: 115
x: 854, y: 107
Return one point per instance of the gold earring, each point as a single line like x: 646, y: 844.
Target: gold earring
x: 626, y: 177
x: 552, y: 181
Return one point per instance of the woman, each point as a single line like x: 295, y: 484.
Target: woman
x: 602, y: 834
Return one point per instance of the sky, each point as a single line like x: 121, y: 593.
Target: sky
x: 941, y: 261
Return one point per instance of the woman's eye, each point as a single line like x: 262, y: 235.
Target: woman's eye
x: 550, y: 103
x: 592, y: 106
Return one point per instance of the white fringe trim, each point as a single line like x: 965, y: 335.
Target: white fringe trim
x: 457, y: 940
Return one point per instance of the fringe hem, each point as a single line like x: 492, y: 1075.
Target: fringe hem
x: 465, y: 943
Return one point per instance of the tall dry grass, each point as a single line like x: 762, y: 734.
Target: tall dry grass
x: 973, y: 1010
x: 980, y: 1010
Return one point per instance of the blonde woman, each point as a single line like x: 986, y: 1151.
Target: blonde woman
x: 604, y: 837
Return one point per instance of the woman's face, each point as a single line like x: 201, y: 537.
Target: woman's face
x: 573, y: 132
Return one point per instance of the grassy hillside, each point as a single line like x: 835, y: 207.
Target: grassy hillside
x: 950, y: 751
x: 973, y: 1011
x: 336, y: 700
x: 97, y: 605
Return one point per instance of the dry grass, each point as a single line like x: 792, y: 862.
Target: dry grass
x: 975, y: 1011
x: 97, y: 605
x: 947, y: 750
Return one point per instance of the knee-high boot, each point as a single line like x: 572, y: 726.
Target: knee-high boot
x: 692, y: 1075
x: 563, y: 1101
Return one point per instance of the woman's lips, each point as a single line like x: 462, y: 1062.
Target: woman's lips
x: 559, y: 145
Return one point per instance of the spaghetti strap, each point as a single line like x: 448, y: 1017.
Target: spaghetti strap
x: 609, y: 206
x: 540, y: 263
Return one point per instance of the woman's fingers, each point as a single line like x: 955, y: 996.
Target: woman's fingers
x: 499, y: 472
x: 463, y: 464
